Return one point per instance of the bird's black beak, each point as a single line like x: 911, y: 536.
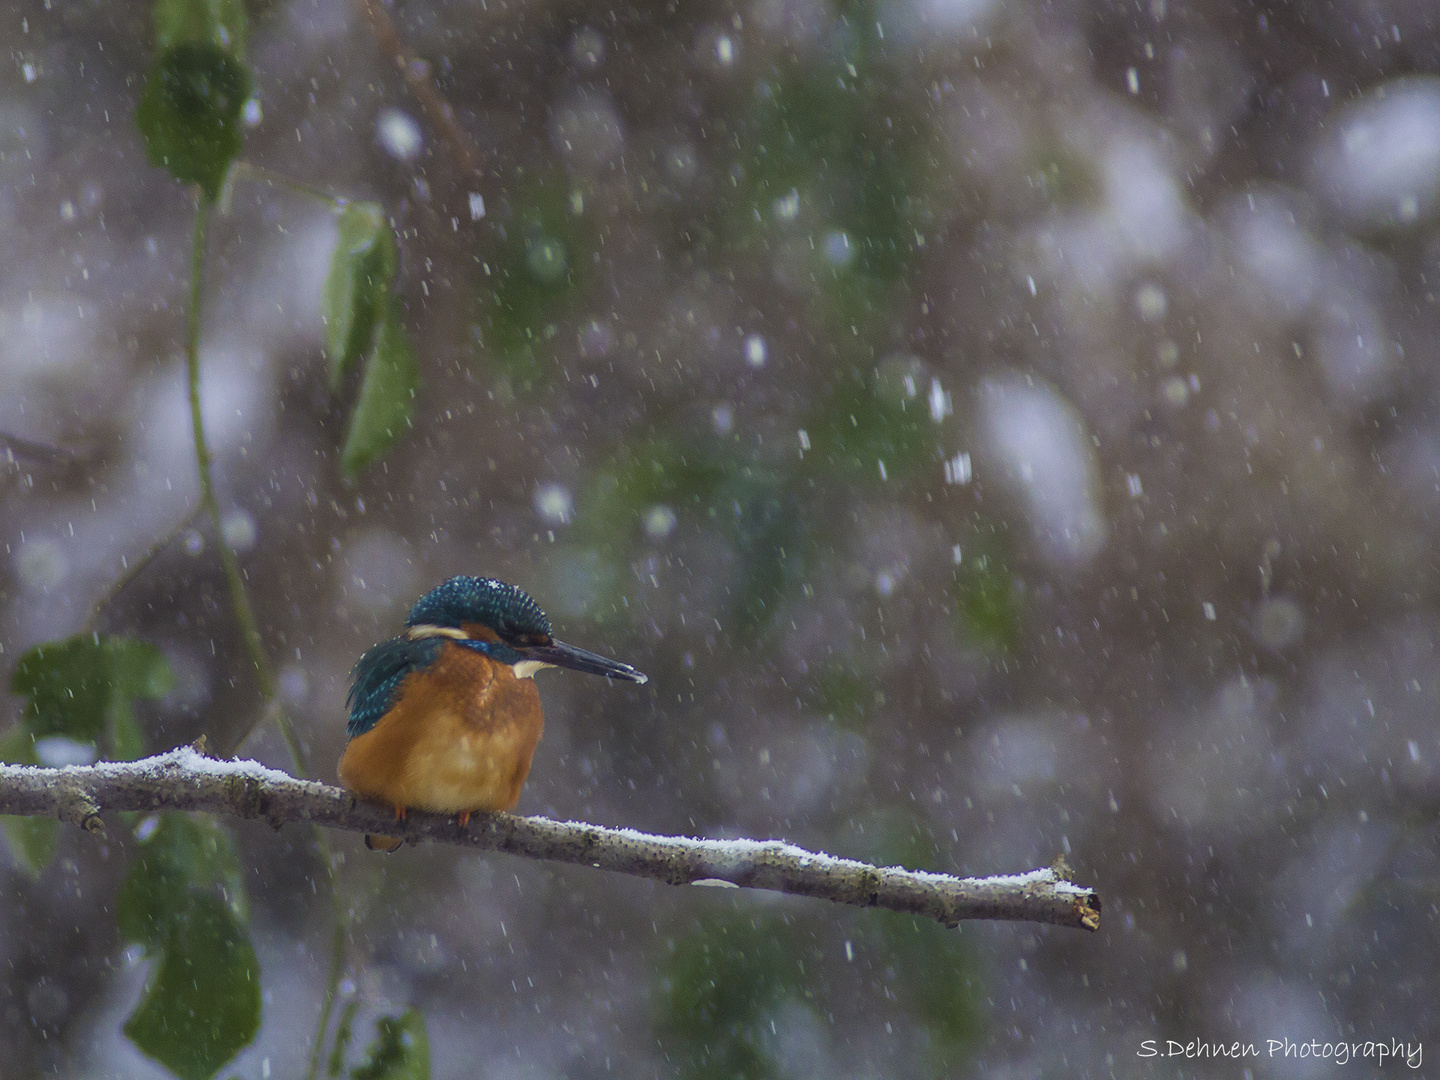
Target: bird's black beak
x: 568, y: 656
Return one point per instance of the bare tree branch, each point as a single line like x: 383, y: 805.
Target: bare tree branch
x: 17, y: 448
x: 186, y: 780
x: 417, y: 78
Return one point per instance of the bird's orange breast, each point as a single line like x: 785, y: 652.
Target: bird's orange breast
x: 460, y: 736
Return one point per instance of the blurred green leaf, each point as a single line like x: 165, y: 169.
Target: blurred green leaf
x: 221, y: 23
x: 344, y: 1034
x: 989, y: 605
x: 362, y: 267
x: 202, y: 1003
x: 18, y: 746
x: 750, y: 505
x: 189, y: 113
x: 127, y: 744
x: 1069, y: 179
x: 936, y: 979
x: 546, y: 258
x: 387, y: 395
x: 83, y: 688
x: 68, y: 687
x: 401, y: 1050
x: 184, y: 856
x: 896, y: 837
x: 137, y: 669
x: 661, y: 471
x: 844, y: 694
x: 772, y: 547
x: 531, y: 288
x: 717, y: 993
x: 184, y: 901
x: 870, y: 434
x: 831, y: 159
x: 852, y: 138
x: 31, y: 839
x: 650, y: 474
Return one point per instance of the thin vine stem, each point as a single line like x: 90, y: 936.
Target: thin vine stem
x: 332, y: 986
x: 239, y: 598
x: 245, y: 615
x: 133, y: 570
x: 259, y: 174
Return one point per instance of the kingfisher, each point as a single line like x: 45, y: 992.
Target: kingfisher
x: 446, y: 717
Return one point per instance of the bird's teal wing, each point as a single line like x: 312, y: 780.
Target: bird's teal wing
x: 375, y: 682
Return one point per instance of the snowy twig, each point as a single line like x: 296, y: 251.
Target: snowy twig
x: 187, y: 780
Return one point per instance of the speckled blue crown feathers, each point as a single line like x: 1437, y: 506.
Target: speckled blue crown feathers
x: 509, y: 611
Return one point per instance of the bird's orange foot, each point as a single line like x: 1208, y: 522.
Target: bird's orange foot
x: 399, y: 812
x: 464, y: 818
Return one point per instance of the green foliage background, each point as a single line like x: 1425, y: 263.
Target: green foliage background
x: 994, y: 428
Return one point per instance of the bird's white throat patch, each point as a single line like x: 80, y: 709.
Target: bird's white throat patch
x: 526, y: 669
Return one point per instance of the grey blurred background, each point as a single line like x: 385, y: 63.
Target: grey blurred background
x: 1000, y: 428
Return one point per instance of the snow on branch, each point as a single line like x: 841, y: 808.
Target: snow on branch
x: 185, y: 779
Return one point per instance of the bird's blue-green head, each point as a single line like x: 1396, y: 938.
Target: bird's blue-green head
x: 504, y: 623
x: 510, y: 612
